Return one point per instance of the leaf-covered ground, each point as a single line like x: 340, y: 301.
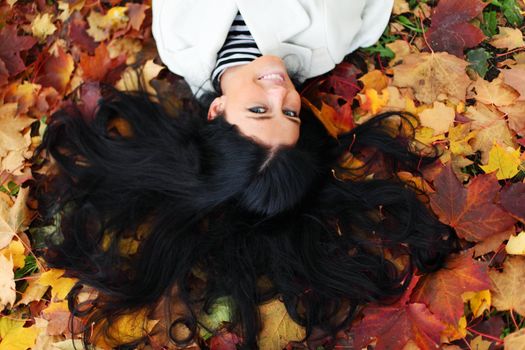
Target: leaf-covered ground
x: 458, y: 65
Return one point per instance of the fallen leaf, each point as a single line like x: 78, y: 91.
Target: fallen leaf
x: 7, y: 283
x: 442, y: 290
x: 479, y: 302
x: 495, y: 92
x: 97, y: 67
x: 130, y: 77
x: 516, y: 244
x: 440, y: 118
x: 15, y: 251
x: 14, y: 217
x: 60, y: 285
x: 126, y: 329
x: 433, y: 76
x: 514, y: 77
x: 450, y: 30
x: 505, y: 160
x: 15, y: 336
x: 56, y: 70
x: 10, y: 47
x: 515, y: 341
x: 516, y: 117
x: 479, y: 344
x: 508, y: 38
x: 393, y: 326
x: 278, y: 329
x: 507, y: 286
x: 462, y: 207
x: 459, y: 137
x: 512, y: 200
x: 401, y: 49
x: 374, y: 79
x: 485, y: 137
x: 43, y: 26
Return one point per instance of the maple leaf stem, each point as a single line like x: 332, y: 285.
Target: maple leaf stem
x: 518, y: 49
x: 497, y: 340
x: 466, y: 343
x: 514, y: 320
x: 424, y: 35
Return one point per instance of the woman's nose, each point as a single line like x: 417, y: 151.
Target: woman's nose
x: 278, y: 93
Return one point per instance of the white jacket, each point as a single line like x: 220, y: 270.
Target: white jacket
x: 311, y: 36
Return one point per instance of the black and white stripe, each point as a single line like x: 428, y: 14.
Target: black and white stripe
x: 239, y: 48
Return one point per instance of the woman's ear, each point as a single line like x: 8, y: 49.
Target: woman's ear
x: 216, y: 108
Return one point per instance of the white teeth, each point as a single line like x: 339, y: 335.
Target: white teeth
x: 272, y: 77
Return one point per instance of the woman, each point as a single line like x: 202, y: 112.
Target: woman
x: 242, y: 50
x: 219, y: 215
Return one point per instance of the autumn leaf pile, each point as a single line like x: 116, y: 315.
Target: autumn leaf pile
x: 457, y: 65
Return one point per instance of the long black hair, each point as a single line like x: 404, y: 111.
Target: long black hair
x: 227, y: 217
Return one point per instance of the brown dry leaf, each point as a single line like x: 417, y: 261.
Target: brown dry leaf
x: 7, y: 283
x: 508, y: 38
x: 515, y: 78
x: 484, y: 140
x: 483, y: 115
x: 401, y: 49
x: 492, y: 243
x: 507, y: 286
x: 433, y: 76
x: 516, y: 115
x: 515, y: 341
x: 129, y: 81
x: 439, y: 118
x: 43, y: 26
x: 494, y: 92
x: 400, y: 6
x: 127, y: 46
x: 278, y: 328
x: 14, y: 217
x: 479, y: 344
x: 11, y: 138
x: 33, y: 292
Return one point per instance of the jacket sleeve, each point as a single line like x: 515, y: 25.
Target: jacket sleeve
x: 351, y: 24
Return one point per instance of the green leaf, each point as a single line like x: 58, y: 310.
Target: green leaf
x: 220, y: 312
x: 511, y: 11
x: 479, y: 61
x: 405, y: 22
x: 30, y: 266
x: 489, y: 26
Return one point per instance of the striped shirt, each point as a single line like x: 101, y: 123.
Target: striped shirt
x: 239, y: 48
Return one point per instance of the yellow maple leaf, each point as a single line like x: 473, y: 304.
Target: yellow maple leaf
x: 459, y: 136
x: 505, y: 160
x: 479, y: 302
x: 495, y: 92
x: 516, y: 244
x: 42, y: 26
x: 125, y: 329
x: 374, y: 79
x: 15, y: 336
x: 372, y: 101
x: 427, y: 135
x: 60, y: 285
x: 15, y: 250
x: 278, y: 328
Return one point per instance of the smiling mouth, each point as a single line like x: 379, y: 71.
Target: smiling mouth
x: 272, y: 76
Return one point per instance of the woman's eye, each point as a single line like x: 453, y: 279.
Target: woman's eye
x: 292, y: 114
x: 258, y: 110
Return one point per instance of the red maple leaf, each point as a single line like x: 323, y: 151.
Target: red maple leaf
x: 441, y: 291
x: 100, y: 66
x: 78, y: 33
x: 512, y: 197
x: 56, y: 70
x: 471, y: 211
x: 450, y: 30
x: 395, y: 325
x: 10, y: 46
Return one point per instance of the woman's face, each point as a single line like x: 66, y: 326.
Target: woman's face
x: 261, y: 100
